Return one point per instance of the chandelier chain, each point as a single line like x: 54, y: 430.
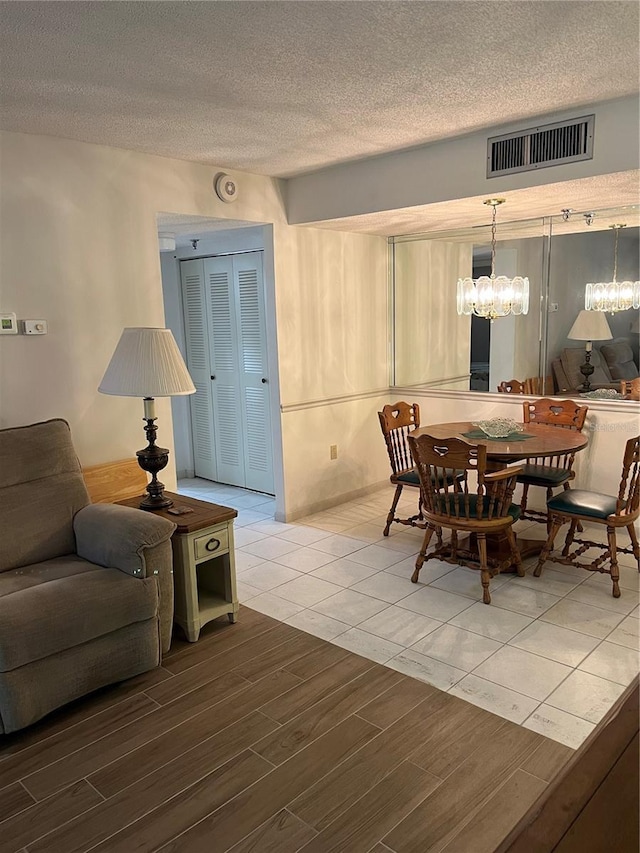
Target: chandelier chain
x: 493, y: 242
x: 615, y: 255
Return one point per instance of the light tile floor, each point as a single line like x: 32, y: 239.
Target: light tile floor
x: 550, y: 653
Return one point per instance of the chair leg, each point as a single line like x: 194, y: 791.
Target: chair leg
x: 423, y: 552
x: 454, y: 544
x: 634, y: 543
x: 392, y: 511
x: 556, y: 524
x: 515, y: 552
x: 613, y: 553
x: 523, y: 502
x: 579, y: 528
x: 549, y: 495
x: 485, y: 574
x: 439, y: 537
x: 569, y: 540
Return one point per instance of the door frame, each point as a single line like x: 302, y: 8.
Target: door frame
x: 229, y: 242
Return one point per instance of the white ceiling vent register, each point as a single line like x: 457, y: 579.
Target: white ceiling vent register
x: 539, y: 147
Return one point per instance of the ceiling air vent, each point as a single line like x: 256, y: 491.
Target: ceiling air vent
x: 539, y: 147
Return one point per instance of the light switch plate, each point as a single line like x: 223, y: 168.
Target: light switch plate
x: 35, y: 327
x: 8, y: 324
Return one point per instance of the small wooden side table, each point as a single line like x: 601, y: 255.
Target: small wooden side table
x: 204, y: 569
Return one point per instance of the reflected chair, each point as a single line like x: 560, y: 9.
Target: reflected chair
x: 459, y: 494
x: 549, y: 472
x: 512, y: 386
x: 630, y: 389
x: 397, y: 422
x: 595, y: 508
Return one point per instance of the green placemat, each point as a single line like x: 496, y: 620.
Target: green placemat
x: 513, y: 436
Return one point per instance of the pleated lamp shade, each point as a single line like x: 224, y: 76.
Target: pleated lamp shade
x: 146, y: 363
x: 590, y: 326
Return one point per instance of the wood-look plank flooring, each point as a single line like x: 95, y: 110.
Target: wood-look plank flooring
x: 263, y: 739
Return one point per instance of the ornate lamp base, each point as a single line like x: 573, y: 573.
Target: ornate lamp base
x: 153, y: 459
x: 587, y: 369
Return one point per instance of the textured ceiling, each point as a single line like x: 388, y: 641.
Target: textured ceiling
x: 281, y: 88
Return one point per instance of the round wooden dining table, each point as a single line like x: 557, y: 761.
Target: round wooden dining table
x: 544, y: 440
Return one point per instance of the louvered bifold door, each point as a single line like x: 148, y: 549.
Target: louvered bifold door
x: 194, y: 306
x: 254, y: 377
x: 225, y: 383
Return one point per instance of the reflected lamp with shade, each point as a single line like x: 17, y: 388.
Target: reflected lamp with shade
x: 147, y: 363
x: 589, y: 326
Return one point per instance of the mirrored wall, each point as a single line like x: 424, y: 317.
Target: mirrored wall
x: 436, y: 348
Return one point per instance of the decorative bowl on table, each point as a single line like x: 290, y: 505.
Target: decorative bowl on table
x: 602, y: 394
x: 499, y: 427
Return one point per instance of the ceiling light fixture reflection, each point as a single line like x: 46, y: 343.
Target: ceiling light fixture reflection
x: 612, y: 296
x: 493, y: 296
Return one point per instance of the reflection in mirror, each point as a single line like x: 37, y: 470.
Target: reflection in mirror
x: 587, y: 256
x: 437, y: 348
x: 434, y: 348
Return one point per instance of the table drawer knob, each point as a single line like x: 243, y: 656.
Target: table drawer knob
x: 213, y: 544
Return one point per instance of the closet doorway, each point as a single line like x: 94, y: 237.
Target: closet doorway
x: 226, y: 345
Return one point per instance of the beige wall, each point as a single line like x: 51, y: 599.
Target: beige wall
x: 79, y: 249
x: 432, y: 343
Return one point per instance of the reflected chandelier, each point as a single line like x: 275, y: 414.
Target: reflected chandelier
x: 493, y: 296
x: 612, y: 296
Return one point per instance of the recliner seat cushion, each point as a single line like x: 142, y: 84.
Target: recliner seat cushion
x: 53, y: 606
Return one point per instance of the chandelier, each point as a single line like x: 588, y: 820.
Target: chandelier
x: 493, y: 296
x: 612, y: 296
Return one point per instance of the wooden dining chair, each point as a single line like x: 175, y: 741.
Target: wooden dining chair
x: 630, y: 389
x: 513, y: 386
x: 396, y: 422
x: 474, y: 501
x: 595, y: 508
x: 549, y: 472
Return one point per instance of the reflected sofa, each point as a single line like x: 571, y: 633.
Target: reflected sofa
x: 612, y: 362
x: 86, y: 590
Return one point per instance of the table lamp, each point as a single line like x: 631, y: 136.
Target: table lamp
x: 589, y: 326
x: 147, y: 363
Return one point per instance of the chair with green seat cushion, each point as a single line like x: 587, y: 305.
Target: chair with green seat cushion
x: 460, y: 495
x: 594, y: 508
x: 549, y: 472
x: 396, y: 422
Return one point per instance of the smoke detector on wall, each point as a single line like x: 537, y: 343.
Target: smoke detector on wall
x: 167, y: 242
x: 225, y: 187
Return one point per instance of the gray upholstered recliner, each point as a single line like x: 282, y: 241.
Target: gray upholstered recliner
x: 86, y: 591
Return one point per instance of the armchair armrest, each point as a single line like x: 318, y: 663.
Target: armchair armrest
x: 504, y: 473
x: 119, y: 537
x: 133, y: 541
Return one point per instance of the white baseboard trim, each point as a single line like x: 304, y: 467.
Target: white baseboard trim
x: 329, y: 503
